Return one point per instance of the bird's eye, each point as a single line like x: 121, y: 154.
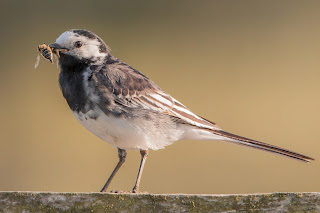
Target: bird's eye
x: 78, y: 44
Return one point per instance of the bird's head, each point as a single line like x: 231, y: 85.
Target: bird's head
x: 79, y: 47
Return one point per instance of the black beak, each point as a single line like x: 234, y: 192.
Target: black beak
x: 56, y: 48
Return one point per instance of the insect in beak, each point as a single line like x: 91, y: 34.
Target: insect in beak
x: 56, y: 48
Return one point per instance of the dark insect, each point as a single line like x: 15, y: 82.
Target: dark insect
x: 46, y: 52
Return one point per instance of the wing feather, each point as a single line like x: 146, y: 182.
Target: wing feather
x: 133, y: 90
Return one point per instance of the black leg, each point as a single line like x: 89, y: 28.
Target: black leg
x: 122, y: 158
x: 144, y: 155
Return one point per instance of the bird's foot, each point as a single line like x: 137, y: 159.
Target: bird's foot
x: 134, y: 191
x: 137, y: 191
x: 119, y: 192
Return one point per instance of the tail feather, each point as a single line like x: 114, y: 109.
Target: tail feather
x: 262, y: 146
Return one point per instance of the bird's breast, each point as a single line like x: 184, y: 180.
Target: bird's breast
x: 119, y: 132
x: 73, y: 89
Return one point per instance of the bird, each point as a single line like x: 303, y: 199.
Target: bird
x: 125, y: 108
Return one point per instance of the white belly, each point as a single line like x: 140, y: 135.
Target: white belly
x: 126, y: 134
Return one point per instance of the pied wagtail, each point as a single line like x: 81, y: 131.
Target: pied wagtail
x: 123, y: 107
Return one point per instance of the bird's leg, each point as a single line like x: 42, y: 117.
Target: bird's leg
x: 144, y: 155
x: 122, y: 154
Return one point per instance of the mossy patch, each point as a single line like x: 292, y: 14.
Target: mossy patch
x: 98, y: 202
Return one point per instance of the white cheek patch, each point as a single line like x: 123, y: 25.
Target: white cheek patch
x: 91, y: 49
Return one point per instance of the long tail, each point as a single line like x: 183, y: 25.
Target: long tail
x: 262, y: 146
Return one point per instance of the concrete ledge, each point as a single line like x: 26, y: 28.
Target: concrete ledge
x: 98, y: 202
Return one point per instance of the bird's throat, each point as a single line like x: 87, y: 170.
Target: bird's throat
x: 72, y: 83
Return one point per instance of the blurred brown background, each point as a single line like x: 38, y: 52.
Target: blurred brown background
x: 251, y: 66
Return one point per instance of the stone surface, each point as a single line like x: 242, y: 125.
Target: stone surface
x: 98, y: 202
